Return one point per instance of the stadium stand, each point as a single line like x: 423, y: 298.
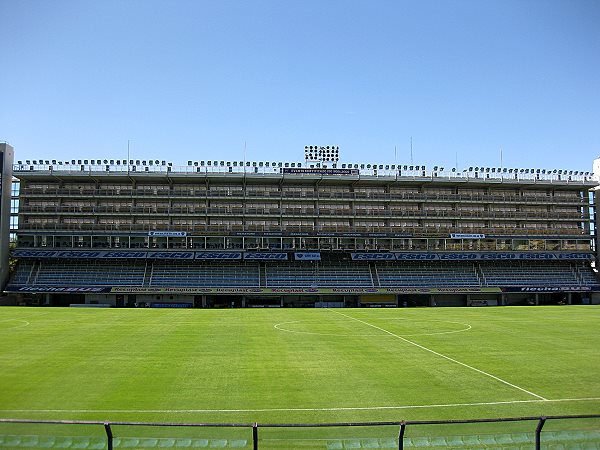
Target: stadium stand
x: 307, y: 234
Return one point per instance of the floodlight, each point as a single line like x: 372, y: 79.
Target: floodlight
x: 98, y: 162
x: 454, y: 169
x: 208, y: 163
x: 260, y: 164
x: 150, y: 162
x: 221, y: 163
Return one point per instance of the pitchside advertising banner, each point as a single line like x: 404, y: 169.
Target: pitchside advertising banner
x: 306, y: 256
x: 293, y: 291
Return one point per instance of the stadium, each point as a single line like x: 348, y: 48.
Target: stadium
x: 316, y: 233
x: 182, y: 287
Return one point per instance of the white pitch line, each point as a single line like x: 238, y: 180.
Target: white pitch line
x: 442, y: 356
x: 341, y: 408
x: 278, y: 326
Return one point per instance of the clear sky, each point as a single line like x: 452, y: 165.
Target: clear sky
x: 198, y: 79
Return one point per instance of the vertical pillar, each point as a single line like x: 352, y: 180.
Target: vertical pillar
x: 569, y: 298
x: 432, y: 301
x: 537, y: 299
x: 6, y: 163
x: 204, y: 301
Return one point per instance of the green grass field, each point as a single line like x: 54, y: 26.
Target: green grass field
x: 298, y: 365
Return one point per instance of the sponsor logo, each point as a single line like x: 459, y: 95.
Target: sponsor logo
x: 372, y: 256
x: 466, y: 236
x: 123, y: 255
x: 266, y: 256
x: 457, y: 256
x: 415, y: 256
x: 33, y: 253
x: 68, y: 254
x: 171, y: 255
x: 555, y: 289
x: 315, y: 171
x: 218, y: 255
x: 62, y: 289
x: 167, y: 233
x: 314, y: 256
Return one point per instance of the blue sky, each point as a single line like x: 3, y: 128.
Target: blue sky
x: 198, y: 79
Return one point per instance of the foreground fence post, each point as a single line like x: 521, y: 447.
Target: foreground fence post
x: 255, y: 436
x: 401, y: 435
x: 538, y: 433
x: 109, y: 436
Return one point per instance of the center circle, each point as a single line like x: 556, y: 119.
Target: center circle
x: 9, y: 324
x: 402, y: 327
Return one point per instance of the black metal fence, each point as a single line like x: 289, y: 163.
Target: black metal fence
x: 513, y: 432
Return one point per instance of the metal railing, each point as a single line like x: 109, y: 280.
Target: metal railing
x: 534, y: 437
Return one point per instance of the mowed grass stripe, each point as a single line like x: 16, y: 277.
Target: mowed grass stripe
x: 443, y: 356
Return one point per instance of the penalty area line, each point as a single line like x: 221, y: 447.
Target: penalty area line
x: 442, y: 356
x: 341, y: 408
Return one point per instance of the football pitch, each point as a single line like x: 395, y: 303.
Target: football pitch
x: 298, y: 365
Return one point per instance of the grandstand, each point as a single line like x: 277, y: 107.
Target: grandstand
x: 217, y: 233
